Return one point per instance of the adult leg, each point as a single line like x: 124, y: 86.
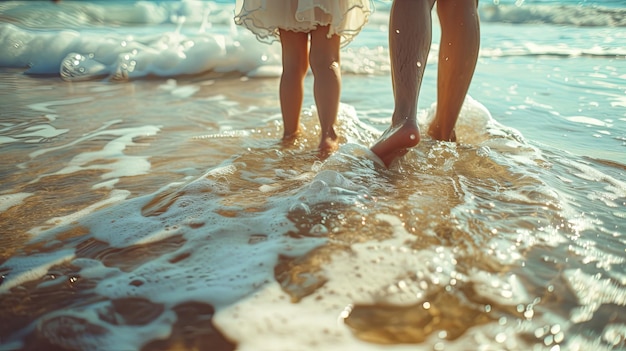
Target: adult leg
x: 295, y: 65
x: 324, y: 60
x: 458, y: 53
x: 410, y: 35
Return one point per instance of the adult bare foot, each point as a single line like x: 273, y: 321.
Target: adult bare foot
x: 437, y: 135
x: 396, y: 141
x: 290, y: 139
x: 437, y: 132
x: 328, y: 145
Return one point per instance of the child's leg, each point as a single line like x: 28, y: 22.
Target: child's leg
x: 295, y: 66
x: 324, y: 60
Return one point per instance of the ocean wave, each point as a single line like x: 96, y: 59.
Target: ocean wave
x: 166, y: 52
x: 81, y: 14
x: 80, y: 55
x: 570, y: 15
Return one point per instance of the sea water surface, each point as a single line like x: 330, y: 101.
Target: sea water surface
x: 147, y: 203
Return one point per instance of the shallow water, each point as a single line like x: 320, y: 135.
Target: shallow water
x: 164, y: 213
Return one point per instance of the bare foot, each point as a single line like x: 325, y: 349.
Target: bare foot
x: 290, y: 139
x: 396, y: 141
x: 328, y: 145
x: 437, y: 133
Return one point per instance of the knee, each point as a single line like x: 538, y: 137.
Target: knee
x: 295, y: 69
x: 327, y: 64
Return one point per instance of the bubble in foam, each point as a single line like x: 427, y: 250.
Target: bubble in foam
x: 318, y: 230
x: 76, y: 67
x: 300, y: 206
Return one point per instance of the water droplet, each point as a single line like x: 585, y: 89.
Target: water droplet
x: 500, y: 338
x: 318, y: 230
x: 539, y: 333
x: 548, y: 340
x: 413, y: 137
x: 529, y: 314
x: 558, y: 338
x: 346, y: 312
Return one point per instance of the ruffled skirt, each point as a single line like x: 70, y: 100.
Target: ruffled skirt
x: 264, y: 18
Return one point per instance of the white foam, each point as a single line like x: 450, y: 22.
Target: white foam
x: 576, y: 15
x: 270, y: 316
x: 588, y: 120
x: 37, y: 133
x: 27, y: 268
x: 46, y: 106
x: 366, y: 274
x: 115, y: 162
x: 58, y: 222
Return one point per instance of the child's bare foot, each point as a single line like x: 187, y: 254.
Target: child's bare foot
x: 396, y: 141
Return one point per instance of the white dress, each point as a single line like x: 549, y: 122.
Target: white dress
x: 345, y: 18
